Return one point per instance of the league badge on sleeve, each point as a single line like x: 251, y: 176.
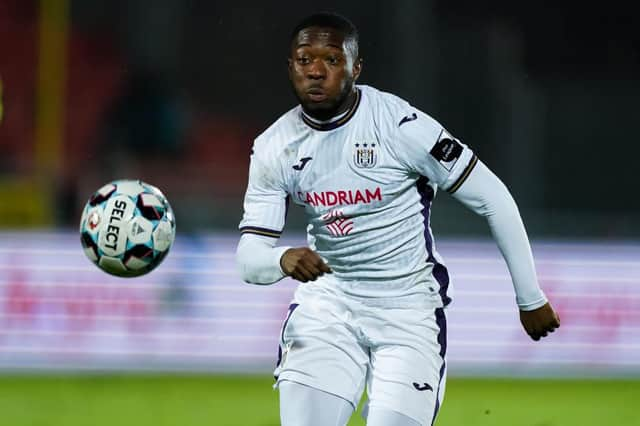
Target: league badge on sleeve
x: 447, y: 150
x: 365, y: 155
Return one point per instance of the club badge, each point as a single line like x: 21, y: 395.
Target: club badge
x: 365, y: 155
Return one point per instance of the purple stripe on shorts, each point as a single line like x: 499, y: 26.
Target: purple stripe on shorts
x: 440, y: 272
x: 441, y: 321
x: 292, y: 307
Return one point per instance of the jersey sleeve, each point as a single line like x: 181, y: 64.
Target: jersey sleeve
x: 426, y: 148
x: 265, y: 202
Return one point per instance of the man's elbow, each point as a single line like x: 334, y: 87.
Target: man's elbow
x: 257, y: 262
x: 499, y: 201
x: 245, y: 271
x: 251, y: 274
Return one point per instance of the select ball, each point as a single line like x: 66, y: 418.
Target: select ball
x: 127, y: 228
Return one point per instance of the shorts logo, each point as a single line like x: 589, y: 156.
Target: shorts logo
x: 338, y: 224
x: 447, y: 150
x: 422, y: 387
x: 365, y: 155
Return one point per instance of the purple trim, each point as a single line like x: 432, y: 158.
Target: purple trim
x: 439, y: 272
x: 441, y: 321
x: 292, y: 307
x: 463, y: 177
x: 287, y: 202
x: 260, y: 231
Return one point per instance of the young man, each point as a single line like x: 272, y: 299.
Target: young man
x: 365, y: 165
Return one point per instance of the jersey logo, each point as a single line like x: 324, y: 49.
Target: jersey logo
x: 338, y: 224
x: 365, y: 155
x: 407, y: 119
x: 447, y: 150
x: 303, y: 162
x: 423, y: 387
x: 341, y: 197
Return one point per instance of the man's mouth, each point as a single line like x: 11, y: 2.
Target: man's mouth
x: 316, y: 94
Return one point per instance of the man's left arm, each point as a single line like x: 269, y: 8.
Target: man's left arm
x: 484, y: 193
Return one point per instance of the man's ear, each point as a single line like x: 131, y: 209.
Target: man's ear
x: 357, y: 68
x: 289, y: 67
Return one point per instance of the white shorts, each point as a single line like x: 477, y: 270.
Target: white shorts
x: 338, y: 344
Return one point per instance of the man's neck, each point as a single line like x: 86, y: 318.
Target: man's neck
x: 343, y: 109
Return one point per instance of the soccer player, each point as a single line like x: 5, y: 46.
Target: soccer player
x: 365, y: 165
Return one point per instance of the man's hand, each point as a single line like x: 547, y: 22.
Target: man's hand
x: 539, y: 322
x: 303, y: 264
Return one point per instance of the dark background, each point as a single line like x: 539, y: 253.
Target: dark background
x: 173, y: 92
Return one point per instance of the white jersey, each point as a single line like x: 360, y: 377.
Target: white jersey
x: 366, y: 181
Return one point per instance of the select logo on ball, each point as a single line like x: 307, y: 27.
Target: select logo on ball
x: 113, y: 238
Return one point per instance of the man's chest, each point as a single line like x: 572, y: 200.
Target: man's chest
x: 351, y: 172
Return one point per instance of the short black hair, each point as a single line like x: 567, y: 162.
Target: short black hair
x: 330, y: 20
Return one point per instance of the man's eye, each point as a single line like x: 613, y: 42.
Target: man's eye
x: 333, y: 60
x: 303, y: 60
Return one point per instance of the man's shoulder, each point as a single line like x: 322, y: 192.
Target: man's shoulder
x: 280, y: 131
x: 383, y: 100
x: 390, y: 110
x: 392, y: 115
x: 402, y: 123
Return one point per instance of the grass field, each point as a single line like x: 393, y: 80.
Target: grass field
x: 250, y: 401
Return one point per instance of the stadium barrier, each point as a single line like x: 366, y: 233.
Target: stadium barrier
x: 58, y: 312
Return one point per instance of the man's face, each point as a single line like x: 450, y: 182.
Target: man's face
x: 322, y: 70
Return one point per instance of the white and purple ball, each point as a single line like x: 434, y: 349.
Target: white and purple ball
x: 127, y: 228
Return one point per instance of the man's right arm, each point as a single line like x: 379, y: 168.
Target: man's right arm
x: 303, y: 264
x: 261, y: 262
x: 265, y: 206
x: 258, y: 258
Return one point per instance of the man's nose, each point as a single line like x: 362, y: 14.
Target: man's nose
x: 316, y: 70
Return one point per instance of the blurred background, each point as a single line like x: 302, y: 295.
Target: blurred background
x: 173, y: 92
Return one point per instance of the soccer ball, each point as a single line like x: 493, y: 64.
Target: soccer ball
x: 127, y: 228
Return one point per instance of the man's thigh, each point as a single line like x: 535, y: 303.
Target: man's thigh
x: 302, y: 405
x: 408, y: 368
x: 318, y: 348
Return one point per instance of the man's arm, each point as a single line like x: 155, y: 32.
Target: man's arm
x: 303, y: 264
x: 486, y: 195
x: 258, y: 259
x: 265, y: 210
x: 261, y: 262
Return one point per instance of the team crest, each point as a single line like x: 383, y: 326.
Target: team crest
x: 365, y: 155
